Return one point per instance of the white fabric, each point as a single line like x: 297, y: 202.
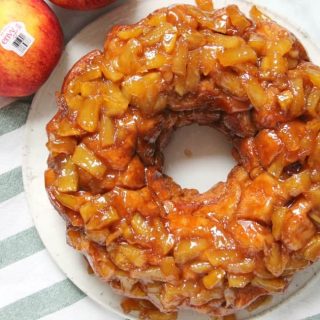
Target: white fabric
x: 15, y: 216
x: 84, y: 309
x: 11, y: 155
x: 31, y: 274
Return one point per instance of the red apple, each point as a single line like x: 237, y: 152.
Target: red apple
x: 82, y: 4
x: 31, y: 43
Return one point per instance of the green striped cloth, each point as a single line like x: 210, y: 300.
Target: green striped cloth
x: 31, y: 285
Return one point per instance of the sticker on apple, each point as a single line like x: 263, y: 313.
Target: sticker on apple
x: 14, y: 37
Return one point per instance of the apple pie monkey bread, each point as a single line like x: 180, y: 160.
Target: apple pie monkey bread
x: 214, y: 252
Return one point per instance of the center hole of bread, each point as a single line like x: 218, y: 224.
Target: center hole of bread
x: 198, y: 157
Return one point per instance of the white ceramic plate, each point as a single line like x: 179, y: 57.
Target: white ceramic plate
x: 211, y: 157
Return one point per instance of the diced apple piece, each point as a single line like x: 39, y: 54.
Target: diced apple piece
x: 157, y: 19
x: 88, y: 116
x: 201, y: 267
x: 155, y: 35
x: 86, y: 159
x: 276, y: 167
x: 311, y: 251
x: 208, y: 61
x: 296, y: 263
x: 129, y: 305
x: 222, y: 257
x: 314, y: 158
x: 50, y: 177
x: 127, y: 257
x: 297, y: 89
x: 87, y: 211
x: 187, y: 250
x: 143, y: 90
x: 245, y: 266
x: 169, y: 39
x: 271, y: 285
x: 298, y: 183
x: 65, y: 145
x: 297, y: 228
x: 237, y: 18
x: 213, y: 278
x: 274, y: 63
x: 258, y: 43
x: 180, y: 85
x: 256, y: 93
x: 89, y: 88
x: 140, y: 226
x: 68, y: 178
x: 232, y: 83
x: 150, y: 274
x: 98, y: 236
x: 278, y: 218
x: 227, y: 42
x: 74, y: 102
x: 314, y: 74
x: 74, y: 87
x: 70, y: 201
x: 158, y: 315
x: 315, y: 216
x: 129, y: 33
x: 276, y: 259
x: 106, y: 131
x: 115, y: 101
x: 128, y: 61
x: 179, y: 64
x: 76, y: 240
x: 261, y: 301
x: 217, y: 24
x: 239, y: 280
x: 103, y: 217
x: 93, y: 88
x: 280, y: 46
x: 313, y: 102
x: 206, y: 5
x: 154, y: 61
x: 285, y: 99
x: 193, y: 73
x: 257, y: 16
x: 314, y: 195
x: 250, y: 235
x: 234, y: 56
x: 66, y: 129
x: 169, y: 268
x: 113, y: 236
x: 106, y: 269
x: 195, y: 40
x: 93, y: 73
x: 109, y: 71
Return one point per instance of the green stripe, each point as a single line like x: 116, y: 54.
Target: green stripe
x: 316, y: 317
x: 11, y: 184
x: 44, y: 302
x: 13, y: 116
x: 19, y: 246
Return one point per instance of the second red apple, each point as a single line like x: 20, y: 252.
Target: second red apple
x: 82, y: 4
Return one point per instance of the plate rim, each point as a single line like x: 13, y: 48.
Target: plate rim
x: 299, y: 32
